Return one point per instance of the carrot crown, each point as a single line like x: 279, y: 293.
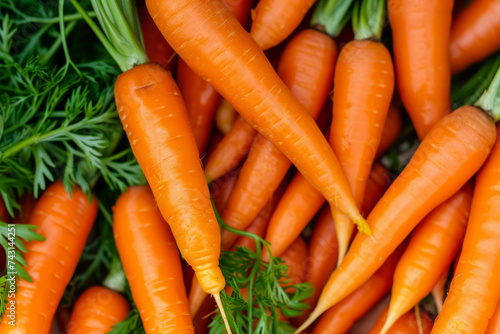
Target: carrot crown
x: 331, y: 16
x: 490, y: 100
x: 121, y: 32
x: 368, y: 19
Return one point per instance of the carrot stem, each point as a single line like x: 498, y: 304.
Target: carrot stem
x: 368, y: 19
x: 222, y: 312
x: 331, y: 16
x: 490, y: 100
x: 115, y: 280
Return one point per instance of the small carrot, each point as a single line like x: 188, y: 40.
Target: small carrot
x: 340, y: 318
x: 392, y: 127
x: 409, y: 323
x: 65, y: 221
x: 274, y: 20
x: 97, y: 310
x: 434, y: 174
x: 494, y: 323
x: 158, y: 290
x: 225, y: 116
x: 217, y: 48
x: 421, y: 38
x: 431, y: 250
x: 474, y: 34
x: 474, y: 289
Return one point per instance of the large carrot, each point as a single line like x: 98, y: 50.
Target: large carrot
x: 158, y: 289
x: 274, y: 20
x: 65, y: 221
x: 97, y: 310
x: 218, y: 49
x: 447, y: 158
x: 421, y: 38
x: 474, y: 289
x: 474, y: 34
x: 431, y: 250
x: 306, y: 67
x: 494, y: 323
x: 409, y: 323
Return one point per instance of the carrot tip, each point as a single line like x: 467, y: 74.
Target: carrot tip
x: 363, y: 226
x: 222, y: 312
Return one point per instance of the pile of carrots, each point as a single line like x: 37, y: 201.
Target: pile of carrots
x: 224, y: 98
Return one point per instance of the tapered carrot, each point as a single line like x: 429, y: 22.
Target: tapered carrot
x: 158, y: 289
x: 494, y: 323
x: 474, y: 34
x: 409, y: 323
x: 340, y: 318
x: 421, y: 39
x: 274, y: 20
x: 97, y: 310
x: 225, y: 116
x: 474, y: 289
x: 435, y: 172
x: 431, y: 250
x: 65, y: 221
x: 218, y: 48
x: 392, y: 127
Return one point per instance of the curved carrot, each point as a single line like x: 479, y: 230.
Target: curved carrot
x: 474, y: 34
x: 474, y: 290
x: 421, y: 35
x: 274, y: 20
x: 432, y: 248
x: 435, y: 172
x: 231, y: 150
x: 225, y: 116
x: 65, y: 221
x: 154, y: 118
x: 218, y: 49
x: 340, y: 318
x: 407, y: 324
x: 97, y: 310
x: 494, y: 323
x: 392, y: 127
x: 201, y: 101
x: 158, y: 289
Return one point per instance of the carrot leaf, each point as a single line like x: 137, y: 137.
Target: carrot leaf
x: 331, y: 16
x: 490, y: 100
x: 368, y: 19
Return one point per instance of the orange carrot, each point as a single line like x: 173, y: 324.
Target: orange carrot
x: 407, y: 324
x: 97, y: 310
x: 474, y: 289
x: 221, y: 188
x: 295, y: 257
x: 435, y: 172
x: 217, y: 48
x: 340, y: 318
x: 274, y: 20
x: 65, y: 221
x: 392, y: 127
x: 431, y: 250
x: 225, y: 116
x: 494, y: 323
x: 28, y: 202
x: 421, y: 35
x: 378, y: 182
x: 474, y: 34
x: 438, y: 290
x: 158, y: 289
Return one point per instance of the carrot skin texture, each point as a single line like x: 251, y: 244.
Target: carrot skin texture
x: 65, y: 222
x: 97, y: 310
x: 494, y: 323
x: 306, y: 67
x: 274, y: 20
x: 474, y: 290
x: 156, y: 123
x: 474, y: 34
x: 421, y: 35
x: 392, y: 128
x: 447, y: 158
x: 340, y: 318
x: 407, y: 324
x: 218, y: 44
x: 432, y: 248
x: 158, y: 290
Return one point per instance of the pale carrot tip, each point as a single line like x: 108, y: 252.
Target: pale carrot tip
x: 222, y: 312
x: 313, y: 316
x: 363, y: 226
x: 389, y: 321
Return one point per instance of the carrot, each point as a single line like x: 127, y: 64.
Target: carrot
x: 231, y: 150
x: 221, y: 188
x: 474, y: 289
x: 158, y: 290
x: 306, y: 67
x: 421, y: 35
x: 274, y: 20
x: 97, y: 310
x: 392, y: 127
x: 438, y: 290
x: 494, y: 323
x: 431, y: 250
x: 295, y: 257
x: 65, y: 221
x: 201, y: 101
x: 225, y: 116
x: 240, y: 9
x: 435, y: 172
x: 407, y: 324
x: 217, y: 48
x: 378, y: 182
x: 474, y: 34
x: 28, y: 202
x: 340, y: 318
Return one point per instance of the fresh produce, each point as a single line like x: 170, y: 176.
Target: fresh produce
x: 410, y: 323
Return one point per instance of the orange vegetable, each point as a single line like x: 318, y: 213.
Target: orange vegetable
x: 225, y: 116
x: 438, y: 290
x: 435, y: 172
x: 378, y: 182
x: 407, y: 324
x: 158, y: 289
x: 97, y: 310
x: 295, y: 257
x: 474, y: 289
x: 392, y: 127
x: 494, y: 324
x: 221, y: 188
x: 421, y: 38
x: 474, y: 34
x: 65, y: 221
